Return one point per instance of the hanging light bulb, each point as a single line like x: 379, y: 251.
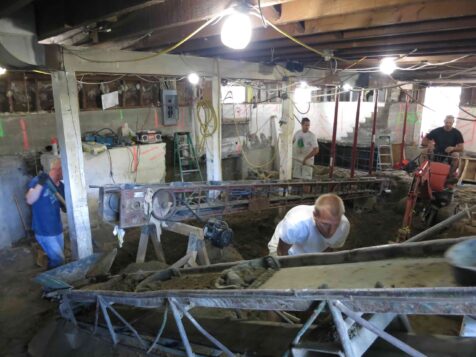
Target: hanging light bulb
x: 2, y: 70
x: 388, y: 65
x: 347, y: 87
x: 193, y: 78
x: 236, y: 31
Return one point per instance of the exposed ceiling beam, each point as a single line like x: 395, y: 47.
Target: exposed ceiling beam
x: 54, y: 17
x: 100, y: 61
x: 173, y: 14
x: 263, y: 41
x: 8, y: 7
x: 302, y: 10
x: 397, y: 15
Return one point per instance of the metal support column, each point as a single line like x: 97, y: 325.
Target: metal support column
x: 334, y: 136
x: 374, y: 126
x: 65, y: 94
x: 356, y: 136
x: 402, y: 148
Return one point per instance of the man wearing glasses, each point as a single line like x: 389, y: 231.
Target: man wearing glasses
x: 311, y: 228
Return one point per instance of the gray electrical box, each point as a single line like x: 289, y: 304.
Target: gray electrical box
x: 170, y: 107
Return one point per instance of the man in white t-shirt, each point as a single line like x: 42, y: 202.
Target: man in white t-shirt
x: 305, y: 145
x: 311, y: 229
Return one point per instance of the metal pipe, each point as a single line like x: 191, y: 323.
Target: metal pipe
x: 356, y: 136
x: 382, y: 334
x: 205, y: 333
x: 432, y: 230
x: 181, y: 328
x: 128, y: 325
x: 374, y: 126
x: 402, y: 148
x: 341, y: 330
x: 161, y: 330
x: 309, y: 322
x: 102, y: 304
x: 334, y: 136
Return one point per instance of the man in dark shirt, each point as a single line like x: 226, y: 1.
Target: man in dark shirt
x: 445, y: 140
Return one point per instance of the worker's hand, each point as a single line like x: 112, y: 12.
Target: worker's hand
x: 449, y: 149
x: 43, y: 179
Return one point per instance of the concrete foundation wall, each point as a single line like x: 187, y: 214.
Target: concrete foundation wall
x: 14, y: 179
x: 28, y: 133
x: 468, y: 128
x: 33, y: 131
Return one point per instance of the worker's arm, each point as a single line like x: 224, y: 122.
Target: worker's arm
x: 283, y: 248
x: 457, y: 148
x: 313, y: 153
x: 34, y: 192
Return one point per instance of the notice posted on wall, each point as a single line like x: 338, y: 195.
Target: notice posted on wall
x: 110, y: 100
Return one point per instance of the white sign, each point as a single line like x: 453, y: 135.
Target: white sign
x: 110, y: 100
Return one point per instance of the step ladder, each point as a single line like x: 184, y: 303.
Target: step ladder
x: 384, y: 153
x: 185, y: 158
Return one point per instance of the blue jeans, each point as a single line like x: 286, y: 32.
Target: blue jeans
x: 54, y: 249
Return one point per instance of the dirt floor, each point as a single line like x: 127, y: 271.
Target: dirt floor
x: 23, y: 312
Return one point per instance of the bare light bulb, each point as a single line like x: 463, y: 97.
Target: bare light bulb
x: 347, y: 87
x: 236, y: 31
x: 2, y: 70
x: 387, y: 65
x: 193, y: 78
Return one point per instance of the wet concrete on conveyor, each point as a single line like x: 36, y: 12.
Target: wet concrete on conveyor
x: 399, y: 273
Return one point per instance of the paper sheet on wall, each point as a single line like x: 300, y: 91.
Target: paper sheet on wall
x: 110, y: 100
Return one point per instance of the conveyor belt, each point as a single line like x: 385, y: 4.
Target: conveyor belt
x: 398, y: 273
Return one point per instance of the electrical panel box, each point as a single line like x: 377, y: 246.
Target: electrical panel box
x: 170, y: 106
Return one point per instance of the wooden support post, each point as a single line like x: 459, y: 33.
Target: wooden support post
x: 213, y: 145
x: 356, y: 136
x: 159, y: 251
x: 143, y: 243
x: 149, y: 231
x: 65, y: 94
x: 286, y: 138
x: 374, y: 126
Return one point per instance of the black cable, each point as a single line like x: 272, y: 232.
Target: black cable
x: 110, y: 166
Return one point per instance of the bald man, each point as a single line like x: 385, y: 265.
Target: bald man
x: 311, y: 228
x: 446, y: 141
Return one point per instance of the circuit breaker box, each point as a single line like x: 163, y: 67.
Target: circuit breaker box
x: 170, y: 107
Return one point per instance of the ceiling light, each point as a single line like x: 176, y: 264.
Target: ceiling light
x: 2, y: 70
x: 347, y: 87
x: 388, y: 65
x: 302, y: 95
x: 303, y: 84
x: 193, y: 78
x: 236, y: 31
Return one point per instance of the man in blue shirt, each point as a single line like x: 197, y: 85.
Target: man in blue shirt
x: 46, y: 220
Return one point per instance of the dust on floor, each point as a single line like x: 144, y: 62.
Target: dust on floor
x: 22, y: 309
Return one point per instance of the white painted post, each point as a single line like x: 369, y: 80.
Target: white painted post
x: 286, y: 132
x: 65, y: 94
x: 213, y: 145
